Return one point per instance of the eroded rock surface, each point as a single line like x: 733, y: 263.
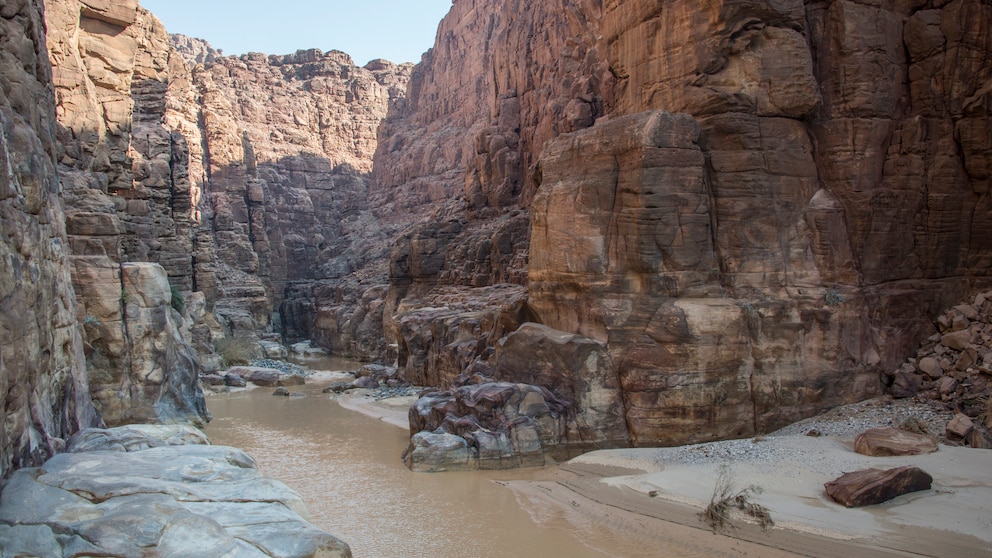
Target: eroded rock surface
x: 155, y: 491
x: 812, y: 196
x: 45, y: 394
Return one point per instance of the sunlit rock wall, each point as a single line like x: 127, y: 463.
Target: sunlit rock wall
x: 760, y: 257
x: 126, y: 125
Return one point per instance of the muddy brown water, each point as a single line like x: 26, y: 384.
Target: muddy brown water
x: 347, y: 468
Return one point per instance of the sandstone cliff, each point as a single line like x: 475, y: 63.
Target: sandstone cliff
x: 288, y: 146
x: 42, y: 376
x: 126, y: 125
x: 815, y: 194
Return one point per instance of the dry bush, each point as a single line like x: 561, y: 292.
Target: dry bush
x: 236, y: 350
x: 726, y: 496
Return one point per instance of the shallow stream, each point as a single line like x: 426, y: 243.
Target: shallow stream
x: 347, y: 468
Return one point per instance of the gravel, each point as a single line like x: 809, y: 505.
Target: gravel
x: 282, y: 366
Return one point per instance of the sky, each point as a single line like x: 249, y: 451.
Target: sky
x: 397, y: 30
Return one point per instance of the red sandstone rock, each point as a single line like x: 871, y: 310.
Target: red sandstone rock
x: 874, y: 486
x: 892, y: 441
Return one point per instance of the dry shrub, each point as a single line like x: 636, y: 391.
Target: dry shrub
x: 236, y: 350
x: 726, y: 497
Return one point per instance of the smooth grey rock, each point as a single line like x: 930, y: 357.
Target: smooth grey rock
x: 142, y: 497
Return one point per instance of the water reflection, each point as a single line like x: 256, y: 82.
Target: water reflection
x: 347, y: 468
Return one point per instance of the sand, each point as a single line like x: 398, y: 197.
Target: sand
x: 646, y: 502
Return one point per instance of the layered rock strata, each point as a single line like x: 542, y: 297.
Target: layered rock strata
x: 124, y: 121
x: 288, y: 231
x: 757, y: 258
x: 43, y: 382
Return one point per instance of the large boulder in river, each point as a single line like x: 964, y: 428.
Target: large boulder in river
x: 266, y: 377
x: 136, y: 499
x: 498, y: 425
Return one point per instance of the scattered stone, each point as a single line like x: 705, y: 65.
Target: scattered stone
x: 306, y: 350
x: 977, y: 440
x: 931, y: 368
x: 212, y: 379
x: 958, y: 340
x: 273, y: 350
x: 234, y: 381
x: 881, y: 442
x: 947, y: 385
x: 905, y: 384
x: 874, y: 486
x: 503, y: 425
x: 266, y: 377
x: 959, y: 427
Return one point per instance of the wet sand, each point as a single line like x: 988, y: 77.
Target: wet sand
x: 632, y: 502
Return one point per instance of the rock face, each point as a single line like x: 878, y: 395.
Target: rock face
x: 874, y: 486
x: 757, y: 207
x: 146, y: 492
x: 289, y: 141
x: 42, y: 375
x: 130, y: 205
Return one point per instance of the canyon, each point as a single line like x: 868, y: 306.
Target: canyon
x: 675, y: 222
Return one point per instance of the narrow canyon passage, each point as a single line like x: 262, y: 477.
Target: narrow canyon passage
x: 348, y: 470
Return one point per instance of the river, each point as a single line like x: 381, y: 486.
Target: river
x: 347, y: 468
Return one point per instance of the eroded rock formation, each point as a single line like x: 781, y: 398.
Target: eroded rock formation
x: 44, y: 395
x: 131, y: 216
x: 289, y: 141
x: 815, y: 192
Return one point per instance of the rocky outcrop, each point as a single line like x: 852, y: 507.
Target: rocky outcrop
x: 812, y: 196
x: 496, y: 425
x: 42, y: 375
x: 146, y: 492
x: 131, y: 206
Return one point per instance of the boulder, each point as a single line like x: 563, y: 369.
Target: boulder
x: 873, y: 486
x: 893, y: 441
x: 502, y: 425
x: 905, y: 384
x: 306, y: 350
x: 266, y: 377
x: 959, y: 427
x: 930, y: 367
x: 273, y: 350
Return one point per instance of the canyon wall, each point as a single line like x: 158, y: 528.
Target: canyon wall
x: 123, y: 107
x: 43, y: 385
x: 809, y: 190
x: 288, y: 241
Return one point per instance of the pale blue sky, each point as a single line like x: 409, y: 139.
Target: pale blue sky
x: 397, y: 30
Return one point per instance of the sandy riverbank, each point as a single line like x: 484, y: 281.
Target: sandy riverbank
x: 634, y: 502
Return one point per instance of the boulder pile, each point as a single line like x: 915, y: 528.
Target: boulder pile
x: 953, y: 368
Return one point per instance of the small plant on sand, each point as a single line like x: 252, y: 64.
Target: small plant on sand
x: 236, y: 350
x: 726, y: 497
